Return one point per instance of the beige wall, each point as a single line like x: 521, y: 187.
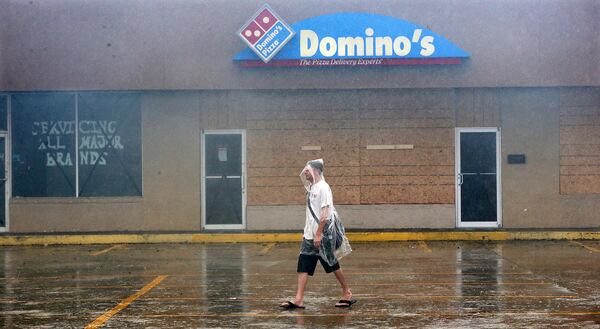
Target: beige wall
x: 171, y: 161
x: 580, y: 211
x: 76, y: 215
x: 172, y: 122
x: 166, y: 45
x: 3, y: 46
x: 356, y: 217
x: 530, y: 192
x: 557, y: 130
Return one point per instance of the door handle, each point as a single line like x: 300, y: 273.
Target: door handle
x: 459, y: 179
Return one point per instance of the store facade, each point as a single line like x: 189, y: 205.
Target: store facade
x: 148, y: 117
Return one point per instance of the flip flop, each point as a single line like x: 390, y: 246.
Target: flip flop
x: 345, y: 302
x: 290, y: 306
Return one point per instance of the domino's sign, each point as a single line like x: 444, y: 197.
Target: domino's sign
x: 357, y: 39
x: 266, y: 33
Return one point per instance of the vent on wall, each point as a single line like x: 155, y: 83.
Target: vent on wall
x: 517, y: 159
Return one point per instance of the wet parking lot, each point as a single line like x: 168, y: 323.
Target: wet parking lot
x: 397, y: 284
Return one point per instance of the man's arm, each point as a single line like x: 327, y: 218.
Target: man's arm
x: 322, y: 221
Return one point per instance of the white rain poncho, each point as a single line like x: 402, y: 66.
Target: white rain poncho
x: 312, y: 169
x: 334, y: 244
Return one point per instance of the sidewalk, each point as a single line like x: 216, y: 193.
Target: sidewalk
x: 12, y: 239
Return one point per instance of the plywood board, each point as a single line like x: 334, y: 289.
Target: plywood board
x: 580, y: 149
x: 295, y: 171
x: 407, y: 123
x: 580, y: 141
x: 327, y: 138
x: 295, y: 181
x: 279, y: 195
x: 409, y: 194
x: 579, y: 160
x: 420, y: 137
x: 403, y: 114
x: 581, y: 120
x: 408, y: 180
x: 580, y: 184
x: 580, y: 170
x: 276, y: 195
x: 408, y: 170
x: 579, y: 135
x: 579, y: 96
x: 296, y: 158
x: 580, y: 110
x: 303, y: 114
x: 289, y: 124
x: 410, y: 99
x: 418, y: 156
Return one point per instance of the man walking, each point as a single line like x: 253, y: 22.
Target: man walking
x: 319, y: 204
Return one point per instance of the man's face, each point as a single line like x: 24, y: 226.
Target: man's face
x: 308, y: 175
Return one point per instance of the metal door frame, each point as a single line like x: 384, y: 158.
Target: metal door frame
x: 203, y: 179
x: 457, y: 189
x: 7, y: 167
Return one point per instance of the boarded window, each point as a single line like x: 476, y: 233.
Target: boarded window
x: 109, y: 145
x: 3, y: 112
x: 580, y: 141
x: 43, y: 145
x: 56, y: 135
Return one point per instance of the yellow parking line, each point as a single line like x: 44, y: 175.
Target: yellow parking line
x: 592, y: 249
x: 97, y: 253
x: 424, y: 246
x: 53, y: 239
x: 124, y: 303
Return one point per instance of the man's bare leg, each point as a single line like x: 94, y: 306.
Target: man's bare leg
x: 302, y: 281
x: 346, y: 293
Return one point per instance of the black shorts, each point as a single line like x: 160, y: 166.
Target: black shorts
x: 308, y: 264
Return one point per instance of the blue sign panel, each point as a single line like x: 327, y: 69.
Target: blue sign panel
x: 361, y: 39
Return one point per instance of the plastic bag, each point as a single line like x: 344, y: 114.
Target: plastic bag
x: 343, y: 247
x: 334, y: 244
x: 344, y: 250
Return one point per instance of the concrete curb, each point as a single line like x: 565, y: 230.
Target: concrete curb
x: 74, y: 239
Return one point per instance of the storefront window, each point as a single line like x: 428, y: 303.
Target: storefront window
x: 43, y: 145
x: 109, y: 145
x: 3, y: 112
x: 105, y: 130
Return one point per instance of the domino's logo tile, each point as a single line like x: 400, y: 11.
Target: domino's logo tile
x: 265, y: 33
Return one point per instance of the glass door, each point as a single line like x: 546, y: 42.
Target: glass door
x: 478, y: 177
x: 223, y: 182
